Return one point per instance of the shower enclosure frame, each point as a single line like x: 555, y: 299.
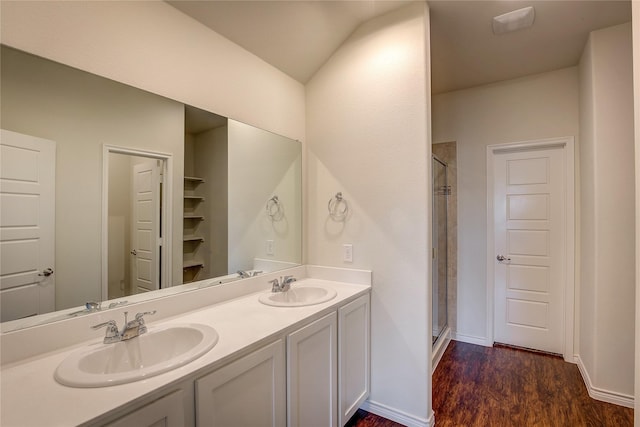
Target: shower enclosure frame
x: 439, y: 252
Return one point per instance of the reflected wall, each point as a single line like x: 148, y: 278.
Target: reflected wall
x: 82, y: 112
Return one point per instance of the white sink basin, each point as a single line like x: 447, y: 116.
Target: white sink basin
x: 298, y: 296
x: 159, y: 350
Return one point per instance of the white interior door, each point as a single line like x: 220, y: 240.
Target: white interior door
x: 27, y: 225
x: 146, y: 221
x: 530, y: 248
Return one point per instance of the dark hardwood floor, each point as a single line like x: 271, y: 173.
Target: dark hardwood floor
x: 502, y: 386
x: 365, y: 419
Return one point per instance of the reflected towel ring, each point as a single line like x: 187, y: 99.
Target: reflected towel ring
x: 274, y: 208
x: 338, y: 207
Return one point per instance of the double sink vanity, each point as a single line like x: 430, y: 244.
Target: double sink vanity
x: 263, y: 351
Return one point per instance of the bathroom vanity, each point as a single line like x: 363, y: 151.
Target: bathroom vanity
x: 296, y: 365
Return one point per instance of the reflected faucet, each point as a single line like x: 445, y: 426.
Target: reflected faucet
x: 115, y: 304
x: 246, y: 274
x: 91, y: 307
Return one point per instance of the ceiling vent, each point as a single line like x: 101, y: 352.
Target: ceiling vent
x: 514, y: 21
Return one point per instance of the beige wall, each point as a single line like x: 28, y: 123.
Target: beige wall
x: 534, y: 107
x: 263, y: 165
x: 368, y: 137
x: 607, y: 208
x: 82, y: 112
x: 119, y: 226
x: 211, y: 164
x: 153, y: 46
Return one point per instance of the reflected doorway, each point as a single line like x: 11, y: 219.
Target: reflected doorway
x: 136, y: 223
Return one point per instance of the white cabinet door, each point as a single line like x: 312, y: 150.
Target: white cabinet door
x: 312, y: 374
x: 249, y: 392
x: 353, y: 356
x: 168, y: 411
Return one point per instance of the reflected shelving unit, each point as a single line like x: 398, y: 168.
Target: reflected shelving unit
x: 191, y: 265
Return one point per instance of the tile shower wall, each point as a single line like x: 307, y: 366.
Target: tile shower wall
x: 447, y: 153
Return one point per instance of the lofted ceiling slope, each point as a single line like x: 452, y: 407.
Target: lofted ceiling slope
x: 298, y: 37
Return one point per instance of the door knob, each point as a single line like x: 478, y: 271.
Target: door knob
x: 502, y: 258
x: 46, y: 273
x: 134, y: 252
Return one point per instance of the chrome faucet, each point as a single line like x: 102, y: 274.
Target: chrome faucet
x: 282, y: 285
x: 131, y: 329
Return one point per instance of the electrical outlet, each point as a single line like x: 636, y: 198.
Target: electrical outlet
x: 270, y: 247
x: 347, y: 252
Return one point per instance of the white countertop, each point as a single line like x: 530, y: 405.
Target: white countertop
x: 30, y: 396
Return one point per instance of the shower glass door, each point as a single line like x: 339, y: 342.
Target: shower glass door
x: 439, y: 251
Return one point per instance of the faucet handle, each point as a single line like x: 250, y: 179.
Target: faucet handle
x: 286, y: 283
x: 112, y: 334
x: 275, y: 285
x: 108, y: 323
x: 139, y: 316
x: 140, y: 319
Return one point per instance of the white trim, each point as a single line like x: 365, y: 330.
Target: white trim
x: 397, y: 415
x: 600, y: 393
x: 471, y: 339
x: 441, y: 346
x: 635, y: 25
x: 569, y: 269
x: 167, y: 209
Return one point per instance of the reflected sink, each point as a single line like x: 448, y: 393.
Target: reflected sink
x: 159, y: 350
x: 298, y: 296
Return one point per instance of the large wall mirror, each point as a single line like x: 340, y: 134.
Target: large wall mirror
x: 146, y: 196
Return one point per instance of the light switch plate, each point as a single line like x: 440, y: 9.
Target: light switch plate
x: 347, y: 252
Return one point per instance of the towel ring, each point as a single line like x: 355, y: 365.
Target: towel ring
x: 338, y: 207
x: 274, y: 208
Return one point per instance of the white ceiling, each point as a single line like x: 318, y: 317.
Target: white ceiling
x: 466, y: 53
x: 297, y: 37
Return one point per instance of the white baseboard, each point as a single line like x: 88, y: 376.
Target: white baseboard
x: 440, y: 347
x: 396, y: 415
x: 602, y: 394
x: 470, y: 339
